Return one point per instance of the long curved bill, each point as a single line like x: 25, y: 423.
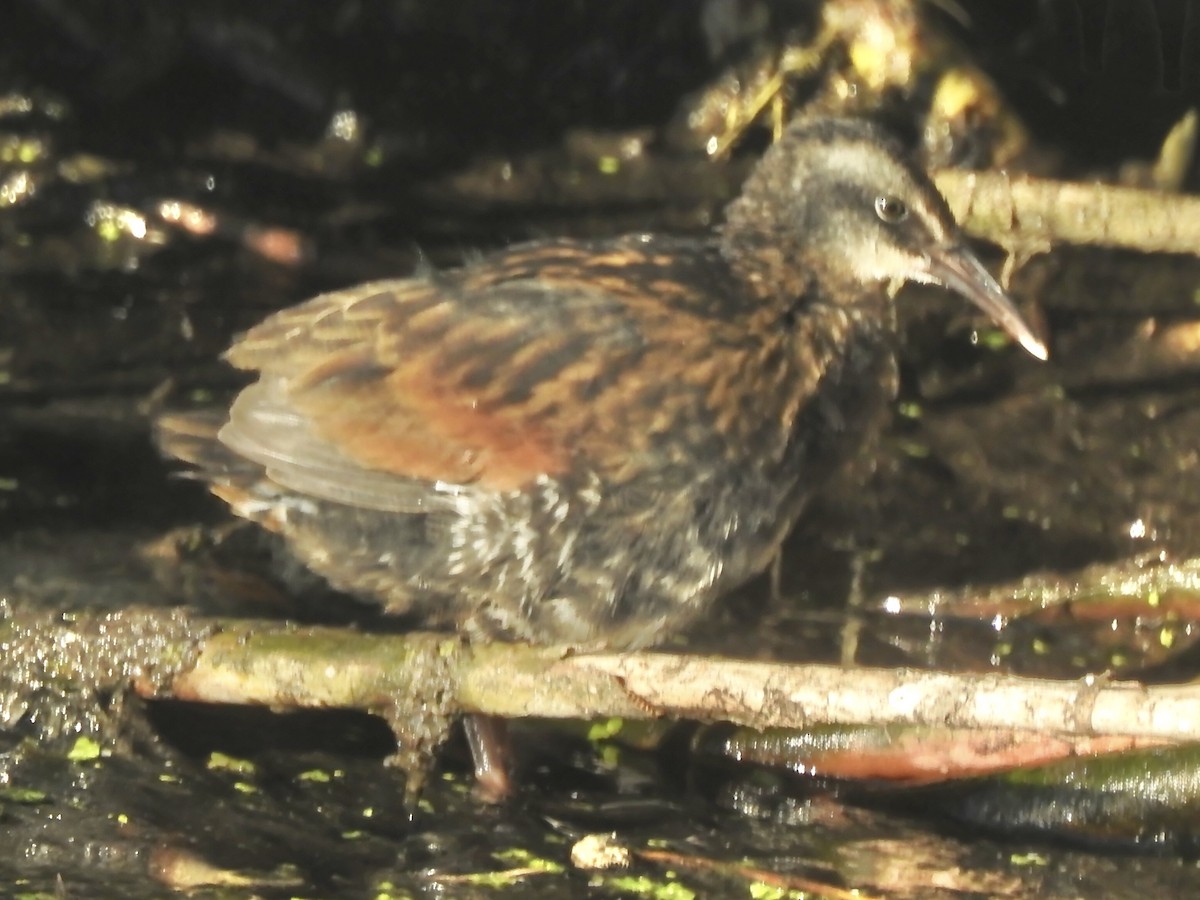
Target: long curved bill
x: 955, y: 267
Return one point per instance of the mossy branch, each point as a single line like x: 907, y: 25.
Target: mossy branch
x: 420, y: 682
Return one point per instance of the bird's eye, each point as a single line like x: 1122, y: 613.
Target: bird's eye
x: 891, y: 210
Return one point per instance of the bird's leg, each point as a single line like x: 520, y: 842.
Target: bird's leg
x: 854, y: 603
x: 775, y: 577
x: 487, y: 736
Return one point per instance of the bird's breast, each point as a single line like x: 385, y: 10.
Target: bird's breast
x: 813, y: 424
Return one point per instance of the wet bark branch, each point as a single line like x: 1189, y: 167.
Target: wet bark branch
x: 517, y: 680
x: 421, y: 681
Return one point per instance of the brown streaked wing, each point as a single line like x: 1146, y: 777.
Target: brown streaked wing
x: 290, y: 342
x: 371, y: 396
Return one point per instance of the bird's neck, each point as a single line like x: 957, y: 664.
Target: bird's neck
x: 770, y: 269
x: 796, y: 287
x: 836, y: 334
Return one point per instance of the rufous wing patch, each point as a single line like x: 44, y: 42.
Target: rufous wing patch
x: 405, y: 423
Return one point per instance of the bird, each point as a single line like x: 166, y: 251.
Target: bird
x: 585, y: 442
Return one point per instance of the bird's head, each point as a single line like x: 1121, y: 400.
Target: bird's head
x: 837, y: 199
